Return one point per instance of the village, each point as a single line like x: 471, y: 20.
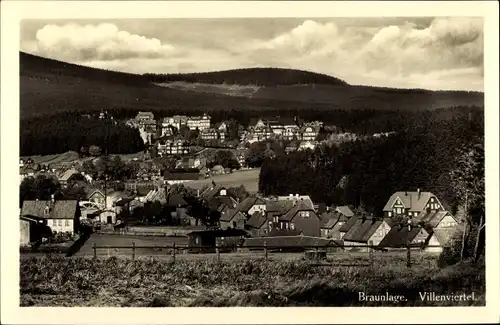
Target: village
x: 207, y: 213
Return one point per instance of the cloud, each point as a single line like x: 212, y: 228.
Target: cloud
x: 103, y: 42
x: 440, y: 53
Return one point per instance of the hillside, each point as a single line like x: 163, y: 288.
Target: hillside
x: 48, y: 86
x: 251, y: 76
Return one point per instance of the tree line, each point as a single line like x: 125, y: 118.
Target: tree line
x: 63, y: 132
x: 250, y: 76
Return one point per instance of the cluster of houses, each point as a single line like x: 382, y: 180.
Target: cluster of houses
x: 414, y: 218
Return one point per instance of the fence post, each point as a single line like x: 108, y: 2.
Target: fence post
x: 173, y: 256
x: 265, y: 250
x: 217, y: 251
x: 133, y: 250
x: 408, y: 255
x: 370, y: 251
x: 95, y: 250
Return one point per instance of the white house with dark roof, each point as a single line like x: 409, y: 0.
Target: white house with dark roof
x: 59, y: 215
x: 411, y: 204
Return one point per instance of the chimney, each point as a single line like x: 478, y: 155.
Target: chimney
x: 418, y: 192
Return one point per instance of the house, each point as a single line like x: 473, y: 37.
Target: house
x: 345, y: 211
x: 411, y: 204
x: 332, y: 221
x: 347, y: 226
x: 309, y: 133
x: 400, y: 236
x: 213, y: 192
x: 175, y: 121
x: 232, y: 219
x: 366, y: 231
x: 179, y: 209
x: 209, y: 134
x: 303, y: 218
x: 221, y: 127
x: 69, y: 175
x: 60, y: 215
x: 444, y: 227
x: 199, y: 122
x: 207, y: 240
x: 107, y: 216
x: 296, y: 198
x: 257, y: 224
x: 31, y: 229
x: 145, y: 119
x: 251, y: 204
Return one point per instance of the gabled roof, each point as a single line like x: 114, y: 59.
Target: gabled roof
x: 433, y: 218
x: 305, y: 198
x: 399, y: 236
x: 299, y: 206
x: 210, y: 192
x: 64, y: 209
x: 68, y: 174
x: 344, y: 209
x: 411, y: 200
x: 347, y: 226
x: 273, y: 206
x: 257, y: 220
x: 175, y: 199
x: 94, y: 192
x: 228, y: 214
x: 249, y: 202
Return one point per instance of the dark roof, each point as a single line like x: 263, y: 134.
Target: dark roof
x: 289, y: 241
x: 182, y: 175
x: 444, y: 235
x: 345, y: 228
x: 433, y: 218
x: 64, y: 209
x: 248, y: 202
x: 228, y: 214
x: 175, y: 199
x: 273, y: 206
x: 257, y: 220
x: 398, y: 236
x: 124, y: 201
x: 210, y: 192
x: 411, y: 200
x: 344, y: 209
x: 299, y: 206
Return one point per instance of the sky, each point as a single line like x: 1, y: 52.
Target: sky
x: 444, y: 53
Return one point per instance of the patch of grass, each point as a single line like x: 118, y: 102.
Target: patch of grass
x: 58, y: 281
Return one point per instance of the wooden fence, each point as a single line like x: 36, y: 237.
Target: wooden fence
x: 314, y: 251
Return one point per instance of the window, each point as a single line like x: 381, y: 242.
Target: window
x: 304, y: 214
x: 390, y: 214
x: 54, y: 222
x: 60, y: 223
x: 66, y: 223
x: 292, y: 226
x: 270, y: 224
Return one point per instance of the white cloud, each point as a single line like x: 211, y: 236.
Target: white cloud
x: 104, y: 42
x: 444, y: 53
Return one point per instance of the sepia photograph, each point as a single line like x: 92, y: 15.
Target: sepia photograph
x: 298, y: 161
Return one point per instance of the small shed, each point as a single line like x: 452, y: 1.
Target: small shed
x: 206, y: 241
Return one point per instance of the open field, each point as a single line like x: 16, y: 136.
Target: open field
x: 230, y: 90
x: 66, y: 157
x: 114, y: 282
x: 247, y: 178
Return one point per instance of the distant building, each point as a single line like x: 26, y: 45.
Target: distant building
x: 145, y: 119
x: 411, y: 204
x: 209, y: 134
x: 172, y: 147
x: 199, y: 122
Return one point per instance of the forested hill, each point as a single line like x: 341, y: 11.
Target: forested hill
x: 37, y: 66
x: 251, y: 76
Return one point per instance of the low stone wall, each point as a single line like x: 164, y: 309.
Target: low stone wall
x: 152, y: 231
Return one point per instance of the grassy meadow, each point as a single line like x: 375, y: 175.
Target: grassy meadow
x: 150, y: 282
